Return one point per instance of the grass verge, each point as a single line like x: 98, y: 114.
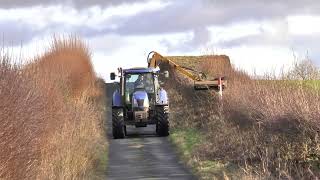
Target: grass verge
x: 186, y: 142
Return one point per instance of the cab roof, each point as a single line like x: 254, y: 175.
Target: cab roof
x: 141, y: 70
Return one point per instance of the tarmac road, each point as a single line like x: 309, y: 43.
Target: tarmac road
x: 143, y: 155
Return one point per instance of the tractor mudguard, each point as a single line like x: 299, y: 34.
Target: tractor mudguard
x: 162, y: 97
x: 116, y: 99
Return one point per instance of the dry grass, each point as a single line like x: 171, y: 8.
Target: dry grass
x: 270, y: 128
x: 51, y: 115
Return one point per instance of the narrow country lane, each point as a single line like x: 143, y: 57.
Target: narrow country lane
x: 143, y: 155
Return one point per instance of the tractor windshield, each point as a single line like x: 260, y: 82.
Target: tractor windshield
x: 136, y: 82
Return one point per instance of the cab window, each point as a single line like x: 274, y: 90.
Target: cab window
x: 135, y: 82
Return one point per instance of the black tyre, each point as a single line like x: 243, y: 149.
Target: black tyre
x: 125, y: 130
x: 162, y: 119
x: 118, y: 129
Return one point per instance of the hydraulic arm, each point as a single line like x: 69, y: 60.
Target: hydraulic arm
x: 199, y: 78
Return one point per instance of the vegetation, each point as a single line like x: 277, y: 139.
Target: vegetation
x: 304, y: 70
x: 187, y: 141
x: 267, y: 129
x: 51, y: 115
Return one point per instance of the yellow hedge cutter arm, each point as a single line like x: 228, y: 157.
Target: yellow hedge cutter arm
x: 199, y: 78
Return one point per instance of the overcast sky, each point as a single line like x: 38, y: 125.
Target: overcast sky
x: 257, y: 35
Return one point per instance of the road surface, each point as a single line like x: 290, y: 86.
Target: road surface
x: 143, y: 155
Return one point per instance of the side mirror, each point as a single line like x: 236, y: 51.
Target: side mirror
x: 166, y: 74
x: 112, y: 76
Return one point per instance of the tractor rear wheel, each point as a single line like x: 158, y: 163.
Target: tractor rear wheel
x: 118, y: 129
x: 162, y: 119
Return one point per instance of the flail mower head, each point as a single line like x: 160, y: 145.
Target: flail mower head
x: 215, y: 84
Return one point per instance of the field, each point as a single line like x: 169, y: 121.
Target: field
x: 261, y: 129
x: 51, y: 115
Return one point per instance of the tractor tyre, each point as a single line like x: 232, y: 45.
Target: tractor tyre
x: 162, y: 120
x: 125, y: 130
x: 118, y: 129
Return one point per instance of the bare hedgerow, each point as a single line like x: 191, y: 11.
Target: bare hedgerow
x: 22, y: 110
x: 269, y: 128
x: 304, y: 70
x: 51, y: 115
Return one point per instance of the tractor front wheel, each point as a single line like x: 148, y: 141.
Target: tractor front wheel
x: 118, y: 128
x: 162, y: 119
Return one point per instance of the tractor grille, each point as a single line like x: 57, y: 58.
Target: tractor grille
x: 140, y: 116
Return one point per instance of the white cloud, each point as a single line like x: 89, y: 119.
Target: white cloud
x: 79, y: 4
x: 304, y: 25
x: 254, y: 34
x: 260, y: 60
x: 133, y: 52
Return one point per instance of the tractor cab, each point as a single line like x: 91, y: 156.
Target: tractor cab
x: 135, y: 82
x: 138, y: 99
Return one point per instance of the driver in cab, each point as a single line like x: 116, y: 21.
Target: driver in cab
x: 140, y: 82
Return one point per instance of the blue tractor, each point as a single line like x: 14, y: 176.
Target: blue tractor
x: 139, y: 101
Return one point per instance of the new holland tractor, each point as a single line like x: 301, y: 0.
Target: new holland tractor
x: 139, y: 101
